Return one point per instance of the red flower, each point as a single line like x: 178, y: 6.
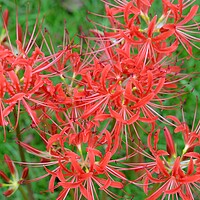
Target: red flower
x: 14, y: 182
x: 87, y: 165
x: 186, y: 34
x: 176, y: 175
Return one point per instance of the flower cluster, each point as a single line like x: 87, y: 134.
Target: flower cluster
x: 176, y: 175
x: 97, y: 111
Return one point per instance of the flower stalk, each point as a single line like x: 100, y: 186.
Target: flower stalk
x: 23, y: 159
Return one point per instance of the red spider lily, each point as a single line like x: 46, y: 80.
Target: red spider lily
x: 123, y: 85
x: 18, y: 93
x: 22, y: 81
x: 129, y: 33
x: 183, y: 32
x: 176, y: 175
x: 77, y: 170
x: 15, y: 181
x: 191, y: 137
x: 123, y: 88
x: 17, y: 80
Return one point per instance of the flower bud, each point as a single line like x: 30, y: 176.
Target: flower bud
x: 10, y: 164
x: 25, y: 173
x: 4, y: 176
x: 170, y: 143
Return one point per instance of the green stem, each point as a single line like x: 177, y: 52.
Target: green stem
x: 104, y: 196
x: 19, y: 138
x: 154, y: 189
x: 22, y: 156
x: 23, y: 193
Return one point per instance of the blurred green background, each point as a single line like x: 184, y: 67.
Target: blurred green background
x: 54, y: 12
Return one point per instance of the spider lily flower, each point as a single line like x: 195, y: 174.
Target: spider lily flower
x: 22, y: 75
x: 175, y: 175
x: 122, y: 84
x: 90, y: 164
x: 191, y: 136
x: 117, y: 88
x: 128, y: 32
x: 12, y: 183
x: 186, y: 33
